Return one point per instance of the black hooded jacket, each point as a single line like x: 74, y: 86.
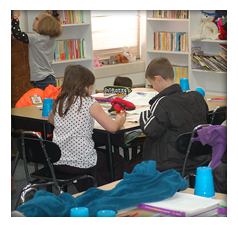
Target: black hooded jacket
x: 172, y: 113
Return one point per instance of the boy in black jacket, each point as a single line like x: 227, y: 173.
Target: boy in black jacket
x: 172, y: 112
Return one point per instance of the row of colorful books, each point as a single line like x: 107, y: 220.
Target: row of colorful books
x: 210, y: 63
x: 70, y: 49
x: 175, y: 14
x: 71, y: 16
x: 59, y: 82
x: 223, y: 54
x: 171, y: 41
x: 180, y: 72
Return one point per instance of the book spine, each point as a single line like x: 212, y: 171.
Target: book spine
x: 84, y: 49
x: 82, y: 16
x: 162, y: 210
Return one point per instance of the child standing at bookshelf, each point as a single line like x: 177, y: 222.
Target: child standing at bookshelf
x: 73, y: 117
x: 172, y: 112
x: 41, y: 46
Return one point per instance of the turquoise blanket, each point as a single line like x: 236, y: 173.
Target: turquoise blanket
x: 144, y: 184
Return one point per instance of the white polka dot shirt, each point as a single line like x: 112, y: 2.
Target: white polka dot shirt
x: 73, y: 134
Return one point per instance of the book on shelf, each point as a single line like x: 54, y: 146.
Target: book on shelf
x: 71, y: 16
x: 171, y: 41
x: 180, y: 72
x: 224, y: 47
x: 196, y: 51
x: 69, y: 49
x: 59, y: 81
x: 209, y: 63
x: 173, y: 14
x: 183, y: 205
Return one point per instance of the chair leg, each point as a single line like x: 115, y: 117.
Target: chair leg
x: 94, y: 182
x: 22, y: 196
x: 15, y: 163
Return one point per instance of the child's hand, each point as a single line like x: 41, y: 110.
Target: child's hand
x: 16, y: 13
x: 121, y: 119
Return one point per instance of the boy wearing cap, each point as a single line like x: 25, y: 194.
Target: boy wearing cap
x: 172, y: 112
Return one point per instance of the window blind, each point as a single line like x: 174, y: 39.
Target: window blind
x: 111, y: 30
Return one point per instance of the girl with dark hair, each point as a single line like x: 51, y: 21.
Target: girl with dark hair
x: 73, y: 117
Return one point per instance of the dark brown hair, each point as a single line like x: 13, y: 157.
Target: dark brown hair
x: 160, y: 66
x: 49, y: 25
x: 122, y: 81
x: 76, y: 79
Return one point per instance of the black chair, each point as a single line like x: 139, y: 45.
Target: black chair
x: 217, y: 116
x: 185, y: 145
x: 36, y: 150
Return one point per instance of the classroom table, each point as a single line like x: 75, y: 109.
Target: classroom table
x: 142, y: 212
x: 30, y: 118
x: 211, y: 105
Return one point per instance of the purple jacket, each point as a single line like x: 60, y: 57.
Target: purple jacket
x: 215, y: 136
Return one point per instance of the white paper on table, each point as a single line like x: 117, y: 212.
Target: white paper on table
x: 138, y: 111
x: 141, y: 98
x: 136, y: 99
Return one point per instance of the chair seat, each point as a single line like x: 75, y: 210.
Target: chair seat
x: 45, y: 173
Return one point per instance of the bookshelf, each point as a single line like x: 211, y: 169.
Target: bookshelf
x: 81, y: 30
x: 214, y: 83
x: 168, y: 25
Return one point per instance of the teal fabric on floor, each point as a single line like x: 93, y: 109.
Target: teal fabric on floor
x: 144, y: 184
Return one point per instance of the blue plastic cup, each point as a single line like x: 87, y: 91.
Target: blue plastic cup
x: 204, y: 184
x: 47, y: 107
x: 201, y: 91
x: 79, y: 212
x: 106, y: 213
x: 184, y: 84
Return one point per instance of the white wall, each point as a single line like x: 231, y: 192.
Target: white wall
x: 23, y: 21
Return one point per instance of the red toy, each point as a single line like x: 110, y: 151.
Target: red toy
x: 223, y: 32
x: 119, y: 104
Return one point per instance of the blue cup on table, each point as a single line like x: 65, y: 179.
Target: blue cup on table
x: 106, y: 213
x: 47, y: 107
x: 79, y: 212
x: 184, y: 84
x: 204, y: 184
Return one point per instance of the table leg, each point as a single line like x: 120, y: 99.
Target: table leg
x: 43, y: 133
x: 110, y: 158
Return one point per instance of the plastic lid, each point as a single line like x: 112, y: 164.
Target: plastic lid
x: 201, y: 91
x: 79, y: 212
x: 106, y: 213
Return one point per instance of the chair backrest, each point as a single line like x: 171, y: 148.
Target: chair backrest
x: 37, y: 150
x: 196, y: 149
x: 184, y: 144
x: 218, y: 115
